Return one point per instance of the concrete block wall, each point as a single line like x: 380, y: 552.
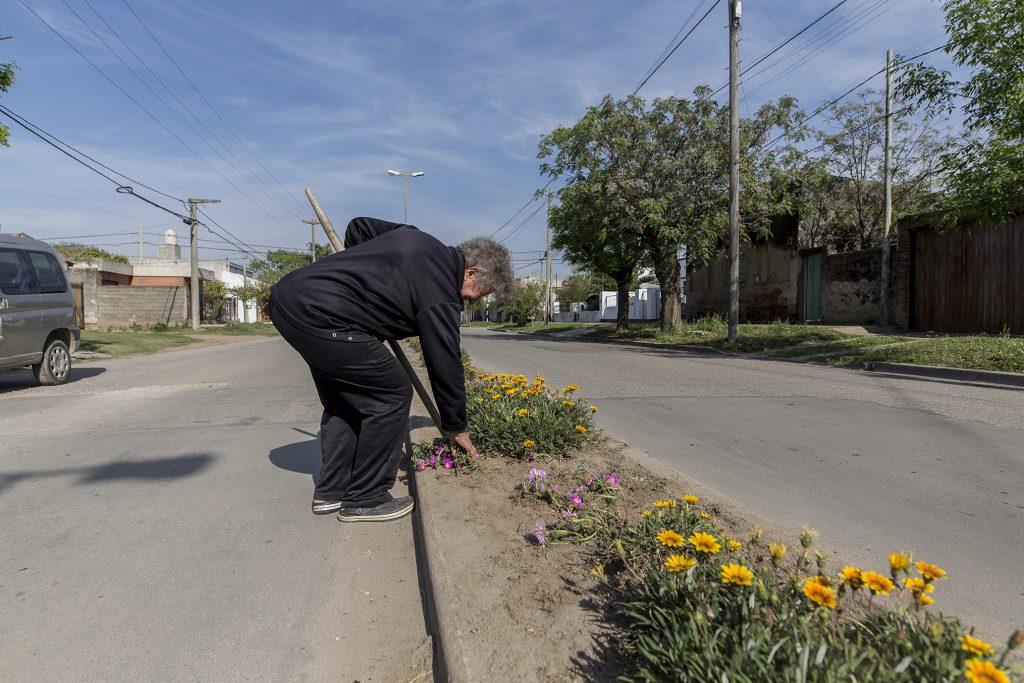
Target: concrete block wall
x: 850, y: 287
x: 125, y: 306
x: 769, y: 277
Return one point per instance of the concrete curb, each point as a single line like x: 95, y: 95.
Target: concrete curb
x: 700, y: 350
x: 1010, y: 379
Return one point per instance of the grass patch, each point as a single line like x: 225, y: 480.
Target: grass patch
x: 132, y: 343
x: 713, y: 332
x: 1003, y: 353
x: 239, y: 329
x: 851, y: 344
x: 541, y: 328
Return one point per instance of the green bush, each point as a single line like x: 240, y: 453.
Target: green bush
x: 512, y: 416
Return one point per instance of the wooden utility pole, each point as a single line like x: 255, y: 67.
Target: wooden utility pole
x: 194, y: 256
x: 312, y: 238
x: 883, y: 296
x: 734, y: 170
x: 325, y: 222
x: 547, y: 279
x: 141, y: 252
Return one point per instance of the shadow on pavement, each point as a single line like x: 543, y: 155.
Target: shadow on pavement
x: 157, y: 468
x: 13, y: 380
x: 302, y: 457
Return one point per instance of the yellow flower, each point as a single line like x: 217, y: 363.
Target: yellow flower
x: 664, y: 503
x: 818, y: 592
x: 736, y: 574
x: 778, y: 550
x: 511, y: 392
x: 922, y: 599
x: 496, y: 397
x: 571, y: 388
x: 522, y: 412
x: 529, y: 443
x: 488, y: 390
x: 981, y: 671
x: 930, y: 571
x: 690, y: 499
x: 734, y: 546
x: 533, y: 391
x: 479, y: 400
x: 918, y: 585
x: 670, y: 539
x: 851, y: 576
x: 704, y: 543
x: 646, y: 514
x: 568, y: 403
x: 581, y: 429
x: 898, y: 562
x: 593, y: 409
x: 878, y: 584
x: 679, y: 563
x: 704, y: 515
x: 975, y: 646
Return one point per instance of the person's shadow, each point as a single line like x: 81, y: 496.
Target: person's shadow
x: 302, y: 456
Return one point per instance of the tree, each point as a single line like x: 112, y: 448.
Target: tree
x: 214, y: 294
x: 665, y: 170
x: 593, y: 232
x: 578, y: 287
x: 525, y: 302
x: 6, y: 81
x: 840, y: 197
x: 983, y: 176
x: 253, y: 292
x: 280, y: 262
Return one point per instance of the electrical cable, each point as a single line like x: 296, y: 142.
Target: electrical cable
x: 666, y: 57
x: 664, y: 52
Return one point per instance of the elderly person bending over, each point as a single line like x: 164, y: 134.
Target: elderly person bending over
x: 391, y: 282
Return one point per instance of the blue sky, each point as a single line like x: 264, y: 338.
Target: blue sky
x: 331, y: 94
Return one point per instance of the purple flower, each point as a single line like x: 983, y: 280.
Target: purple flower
x: 590, y: 480
x: 576, y: 500
x: 447, y: 462
x: 421, y: 464
x: 581, y: 489
x: 532, y: 457
x: 568, y: 513
x: 433, y: 460
x: 539, y: 533
x: 536, y: 476
x: 612, y: 479
x: 554, y: 488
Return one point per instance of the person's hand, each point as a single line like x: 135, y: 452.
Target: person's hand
x: 462, y: 440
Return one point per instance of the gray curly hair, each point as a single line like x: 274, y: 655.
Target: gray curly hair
x: 493, y: 265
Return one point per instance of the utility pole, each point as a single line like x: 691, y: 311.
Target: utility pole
x: 547, y: 279
x: 883, y: 298
x: 194, y: 256
x: 140, y: 241
x: 312, y: 237
x: 734, y: 170
x: 245, y: 283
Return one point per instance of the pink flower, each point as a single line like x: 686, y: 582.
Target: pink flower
x: 576, y: 501
x: 539, y: 533
x: 421, y: 464
x: 611, y: 479
x: 554, y: 488
x: 447, y: 462
x: 590, y: 479
x: 566, y: 514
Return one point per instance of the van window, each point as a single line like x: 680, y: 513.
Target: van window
x: 15, y: 275
x: 49, y: 274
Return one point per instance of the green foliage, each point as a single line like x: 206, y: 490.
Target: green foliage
x: 587, y: 506
x: 1002, y: 353
x: 661, y: 174
x: 509, y: 415
x: 525, y: 303
x: 6, y: 81
x: 254, y: 291
x: 77, y: 252
x: 578, y: 287
x: 984, y: 175
x: 215, y: 292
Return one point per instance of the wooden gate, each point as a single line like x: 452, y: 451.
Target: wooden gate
x: 969, y: 282
x: 78, y: 292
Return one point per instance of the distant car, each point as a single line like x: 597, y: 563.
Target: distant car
x: 37, y: 310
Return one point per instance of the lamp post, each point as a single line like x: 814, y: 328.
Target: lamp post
x: 405, y: 176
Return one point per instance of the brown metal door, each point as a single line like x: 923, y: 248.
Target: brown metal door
x: 970, y: 282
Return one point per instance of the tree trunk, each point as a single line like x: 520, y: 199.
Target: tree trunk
x: 622, y: 301
x: 666, y: 268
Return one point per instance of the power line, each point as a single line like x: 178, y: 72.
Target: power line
x: 203, y: 98
x: 683, y: 40
x: 519, y: 227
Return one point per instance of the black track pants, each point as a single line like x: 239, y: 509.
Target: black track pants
x: 366, y: 397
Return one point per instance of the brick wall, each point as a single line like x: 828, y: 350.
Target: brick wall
x: 850, y: 284
x: 123, y: 306
x: 768, y: 285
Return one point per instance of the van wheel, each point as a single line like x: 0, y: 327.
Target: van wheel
x: 55, y: 368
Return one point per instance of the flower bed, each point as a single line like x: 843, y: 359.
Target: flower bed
x: 686, y: 594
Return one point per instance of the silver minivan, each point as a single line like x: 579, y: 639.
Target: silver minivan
x: 37, y: 309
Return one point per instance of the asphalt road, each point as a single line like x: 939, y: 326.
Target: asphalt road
x: 877, y: 463
x: 156, y: 526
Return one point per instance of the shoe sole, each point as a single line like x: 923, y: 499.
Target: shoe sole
x: 397, y: 514
x: 326, y: 509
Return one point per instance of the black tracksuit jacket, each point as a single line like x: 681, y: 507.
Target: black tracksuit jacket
x: 391, y: 282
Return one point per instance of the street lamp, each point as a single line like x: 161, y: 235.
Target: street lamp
x: 405, y: 176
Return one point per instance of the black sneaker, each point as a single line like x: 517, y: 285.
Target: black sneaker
x: 393, y: 509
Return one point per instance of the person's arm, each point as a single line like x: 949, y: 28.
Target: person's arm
x: 439, y: 338
x: 364, y: 229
